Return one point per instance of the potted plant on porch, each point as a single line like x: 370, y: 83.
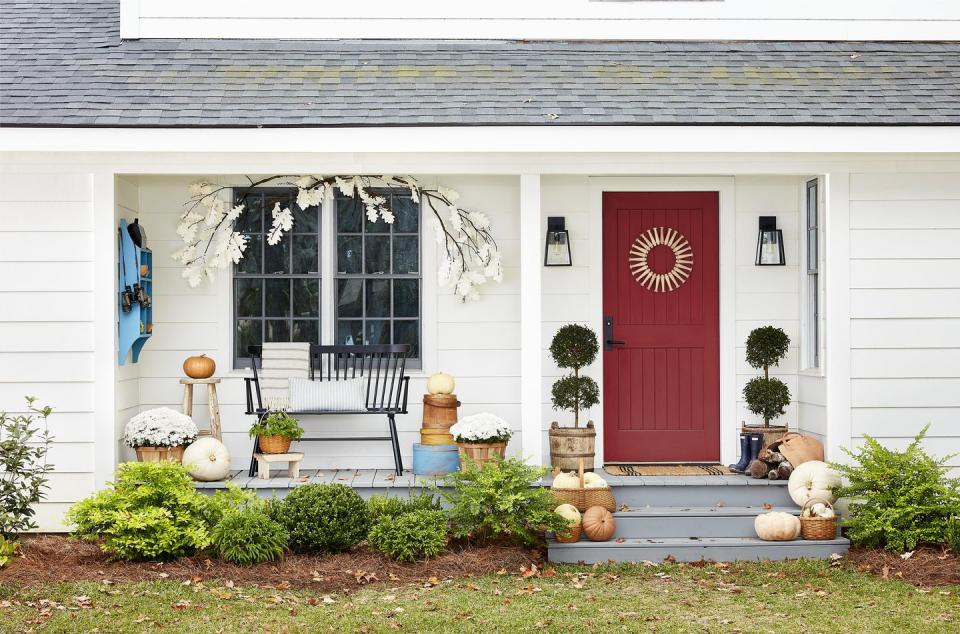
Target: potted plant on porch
x: 275, y: 432
x: 160, y: 434
x: 481, y: 437
x: 574, y: 347
x: 766, y: 396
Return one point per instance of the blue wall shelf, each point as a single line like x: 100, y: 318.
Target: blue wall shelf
x: 135, y: 266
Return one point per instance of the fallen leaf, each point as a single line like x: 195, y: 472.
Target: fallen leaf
x: 532, y: 571
x: 907, y: 555
x: 767, y: 506
x: 620, y: 540
x: 182, y: 604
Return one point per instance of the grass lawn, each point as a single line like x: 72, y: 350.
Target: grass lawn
x: 770, y: 597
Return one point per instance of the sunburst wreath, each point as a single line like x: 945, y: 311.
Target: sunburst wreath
x: 683, y: 259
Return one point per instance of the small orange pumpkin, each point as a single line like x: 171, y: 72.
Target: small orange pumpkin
x: 598, y: 524
x: 201, y: 367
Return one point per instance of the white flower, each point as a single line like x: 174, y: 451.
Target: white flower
x: 160, y: 427
x: 483, y: 427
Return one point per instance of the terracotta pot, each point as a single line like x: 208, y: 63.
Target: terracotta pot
x: 274, y: 444
x: 159, y: 454
x: 480, y: 452
x: 569, y: 444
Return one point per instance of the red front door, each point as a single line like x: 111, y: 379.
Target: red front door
x: 661, y: 299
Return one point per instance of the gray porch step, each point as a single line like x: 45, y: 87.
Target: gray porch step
x: 726, y: 521
x: 736, y: 493
x: 686, y: 549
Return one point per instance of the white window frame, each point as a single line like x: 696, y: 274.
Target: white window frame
x: 812, y: 317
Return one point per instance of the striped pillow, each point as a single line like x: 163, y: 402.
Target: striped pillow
x: 347, y: 395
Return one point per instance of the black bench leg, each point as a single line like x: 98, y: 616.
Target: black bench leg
x: 397, y: 459
x: 253, y: 461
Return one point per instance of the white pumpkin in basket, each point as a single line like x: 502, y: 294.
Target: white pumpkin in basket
x: 777, y: 526
x: 566, y: 481
x: 813, y: 480
x: 207, y: 459
x: 568, y: 512
x: 593, y: 481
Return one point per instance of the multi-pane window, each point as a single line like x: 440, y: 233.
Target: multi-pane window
x: 813, y: 274
x: 378, y: 274
x: 276, y: 288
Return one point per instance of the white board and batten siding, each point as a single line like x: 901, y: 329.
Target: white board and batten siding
x: 544, y: 19
x: 905, y: 308
x: 46, y: 320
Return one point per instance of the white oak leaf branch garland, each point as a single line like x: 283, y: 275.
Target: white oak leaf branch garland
x: 469, y: 256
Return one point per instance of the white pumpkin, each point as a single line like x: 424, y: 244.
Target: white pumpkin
x: 569, y: 512
x: 566, y: 481
x: 813, y: 480
x: 207, y: 459
x: 593, y: 481
x: 777, y: 526
x: 441, y: 383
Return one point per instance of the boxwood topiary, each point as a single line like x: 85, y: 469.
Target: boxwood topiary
x: 248, y: 536
x: 325, y: 517
x: 411, y: 536
x: 382, y: 506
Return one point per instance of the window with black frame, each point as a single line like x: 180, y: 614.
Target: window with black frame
x: 276, y: 288
x: 813, y: 273
x: 378, y: 274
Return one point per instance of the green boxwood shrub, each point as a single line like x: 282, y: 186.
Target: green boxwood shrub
x: 899, y: 499
x: 151, y: 511
x: 325, y: 517
x: 497, y: 501
x: 382, y: 506
x: 248, y: 536
x: 411, y: 536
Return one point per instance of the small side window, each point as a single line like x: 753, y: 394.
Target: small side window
x: 813, y: 273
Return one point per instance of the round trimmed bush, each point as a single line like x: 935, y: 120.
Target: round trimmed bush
x: 410, y: 537
x: 382, y: 506
x: 248, y: 536
x: 325, y: 517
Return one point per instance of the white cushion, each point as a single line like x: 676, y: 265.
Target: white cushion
x: 346, y: 395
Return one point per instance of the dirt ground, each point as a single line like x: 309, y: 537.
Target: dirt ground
x: 925, y: 567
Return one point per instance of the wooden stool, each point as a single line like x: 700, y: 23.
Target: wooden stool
x: 212, y: 402
x: 292, y: 459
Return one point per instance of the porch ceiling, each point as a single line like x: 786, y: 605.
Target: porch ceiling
x: 63, y: 64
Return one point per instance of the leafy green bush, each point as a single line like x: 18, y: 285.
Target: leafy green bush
x: 224, y: 500
x: 412, y: 536
x: 325, y: 517
x: 382, y: 506
x: 23, y: 467
x: 152, y: 511
x: 900, y: 498
x: 247, y: 536
x: 8, y: 550
x: 277, y: 424
x: 497, y: 501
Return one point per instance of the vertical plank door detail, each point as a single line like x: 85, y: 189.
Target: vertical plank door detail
x: 662, y: 385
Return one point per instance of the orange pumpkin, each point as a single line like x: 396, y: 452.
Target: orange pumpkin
x: 201, y: 367
x: 598, y: 524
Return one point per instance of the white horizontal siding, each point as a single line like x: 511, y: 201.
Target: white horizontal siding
x: 46, y: 321
x: 905, y: 305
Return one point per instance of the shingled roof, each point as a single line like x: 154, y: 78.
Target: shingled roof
x: 62, y: 63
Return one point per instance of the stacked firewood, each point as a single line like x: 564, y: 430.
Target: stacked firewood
x: 770, y: 464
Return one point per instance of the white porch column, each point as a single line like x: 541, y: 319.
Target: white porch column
x: 837, y: 312
x: 531, y: 373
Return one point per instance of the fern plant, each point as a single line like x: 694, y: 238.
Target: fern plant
x: 900, y: 499
x: 497, y: 501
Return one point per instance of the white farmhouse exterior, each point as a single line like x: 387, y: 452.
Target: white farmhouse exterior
x: 100, y: 121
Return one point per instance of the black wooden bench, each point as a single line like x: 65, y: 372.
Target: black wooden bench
x: 384, y: 368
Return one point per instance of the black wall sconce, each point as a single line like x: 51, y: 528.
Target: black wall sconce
x: 557, y: 251
x: 770, y: 243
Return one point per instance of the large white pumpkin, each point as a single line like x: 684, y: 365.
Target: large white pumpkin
x: 441, y: 383
x: 207, y: 459
x: 777, y: 526
x: 813, y: 480
x: 566, y: 481
x: 569, y: 512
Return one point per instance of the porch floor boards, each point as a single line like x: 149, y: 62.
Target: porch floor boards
x: 387, y: 479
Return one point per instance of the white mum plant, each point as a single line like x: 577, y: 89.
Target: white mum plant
x: 160, y: 427
x: 469, y: 256
x: 481, y: 428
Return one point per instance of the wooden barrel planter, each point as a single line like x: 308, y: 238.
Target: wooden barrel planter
x: 439, y: 414
x: 569, y: 444
x: 481, y: 452
x: 160, y: 454
x: 770, y: 434
x: 435, y: 460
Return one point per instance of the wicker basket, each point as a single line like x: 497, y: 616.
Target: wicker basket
x: 160, y: 454
x: 480, y: 452
x: 274, y: 444
x: 817, y: 528
x: 571, y: 535
x: 583, y: 498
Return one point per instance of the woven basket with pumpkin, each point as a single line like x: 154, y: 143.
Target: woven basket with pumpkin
x: 583, y: 490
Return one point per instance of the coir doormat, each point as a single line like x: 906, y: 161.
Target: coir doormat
x: 667, y: 470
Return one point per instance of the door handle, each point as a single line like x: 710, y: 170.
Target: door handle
x: 615, y: 342
x: 608, y: 340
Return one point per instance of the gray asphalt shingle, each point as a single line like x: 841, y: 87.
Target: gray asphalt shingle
x: 62, y: 63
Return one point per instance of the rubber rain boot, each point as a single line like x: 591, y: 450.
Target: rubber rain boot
x: 756, y: 445
x: 744, y: 455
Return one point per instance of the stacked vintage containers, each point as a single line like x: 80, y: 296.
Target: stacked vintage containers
x: 436, y: 454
